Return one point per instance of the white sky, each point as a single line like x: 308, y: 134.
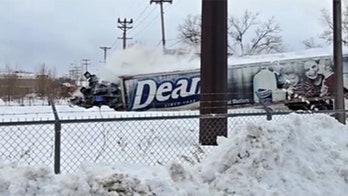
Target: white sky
x: 62, y: 32
x: 293, y: 155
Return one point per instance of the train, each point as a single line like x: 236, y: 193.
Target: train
x: 298, y: 80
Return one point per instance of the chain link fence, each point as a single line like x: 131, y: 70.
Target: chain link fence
x: 31, y: 143
x: 150, y: 140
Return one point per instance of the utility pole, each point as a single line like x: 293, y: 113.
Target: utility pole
x: 75, y: 72
x: 104, y: 48
x: 160, y: 2
x: 124, y: 25
x: 85, y: 63
x: 213, y: 96
x: 338, y: 61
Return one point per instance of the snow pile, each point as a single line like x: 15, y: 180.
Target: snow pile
x: 16, y: 180
x: 294, y: 156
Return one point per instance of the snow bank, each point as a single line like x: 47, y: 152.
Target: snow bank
x: 294, y: 156
x: 15, y: 180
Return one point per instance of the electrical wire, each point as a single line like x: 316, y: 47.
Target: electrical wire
x: 175, y: 43
x: 142, y: 21
x: 142, y: 12
x: 146, y: 26
x: 138, y: 24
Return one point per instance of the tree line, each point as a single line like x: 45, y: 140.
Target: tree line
x: 17, y: 86
x: 249, y: 35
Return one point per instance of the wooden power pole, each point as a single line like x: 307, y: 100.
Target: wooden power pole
x: 105, y: 49
x: 160, y: 2
x: 85, y: 63
x: 124, y: 25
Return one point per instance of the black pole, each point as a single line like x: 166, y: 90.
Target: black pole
x: 213, y: 71
x: 124, y: 40
x: 57, y: 138
x: 338, y: 61
x: 162, y: 25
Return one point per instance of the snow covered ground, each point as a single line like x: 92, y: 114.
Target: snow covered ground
x: 296, y: 155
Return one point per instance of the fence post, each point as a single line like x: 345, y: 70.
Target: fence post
x: 57, y: 138
x: 268, y: 113
x: 266, y: 108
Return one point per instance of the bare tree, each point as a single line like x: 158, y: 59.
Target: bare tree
x: 190, y: 31
x: 311, y: 43
x: 247, y: 36
x: 42, y: 79
x: 10, y: 84
x: 327, y: 22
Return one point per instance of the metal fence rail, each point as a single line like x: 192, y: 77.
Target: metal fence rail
x: 66, y: 144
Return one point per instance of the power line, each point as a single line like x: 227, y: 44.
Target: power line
x: 138, y: 24
x: 175, y: 43
x: 146, y: 26
x: 124, y: 25
x: 143, y: 16
x: 85, y: 63
x: 114, y: 43
x: 160, y: 2
x: 104, y: 48
x: 142, y: 12
x: 176, y: 3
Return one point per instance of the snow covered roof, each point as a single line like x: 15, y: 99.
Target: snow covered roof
x: 20, y: 74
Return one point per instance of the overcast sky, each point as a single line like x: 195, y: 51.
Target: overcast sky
x: 62, y: 32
